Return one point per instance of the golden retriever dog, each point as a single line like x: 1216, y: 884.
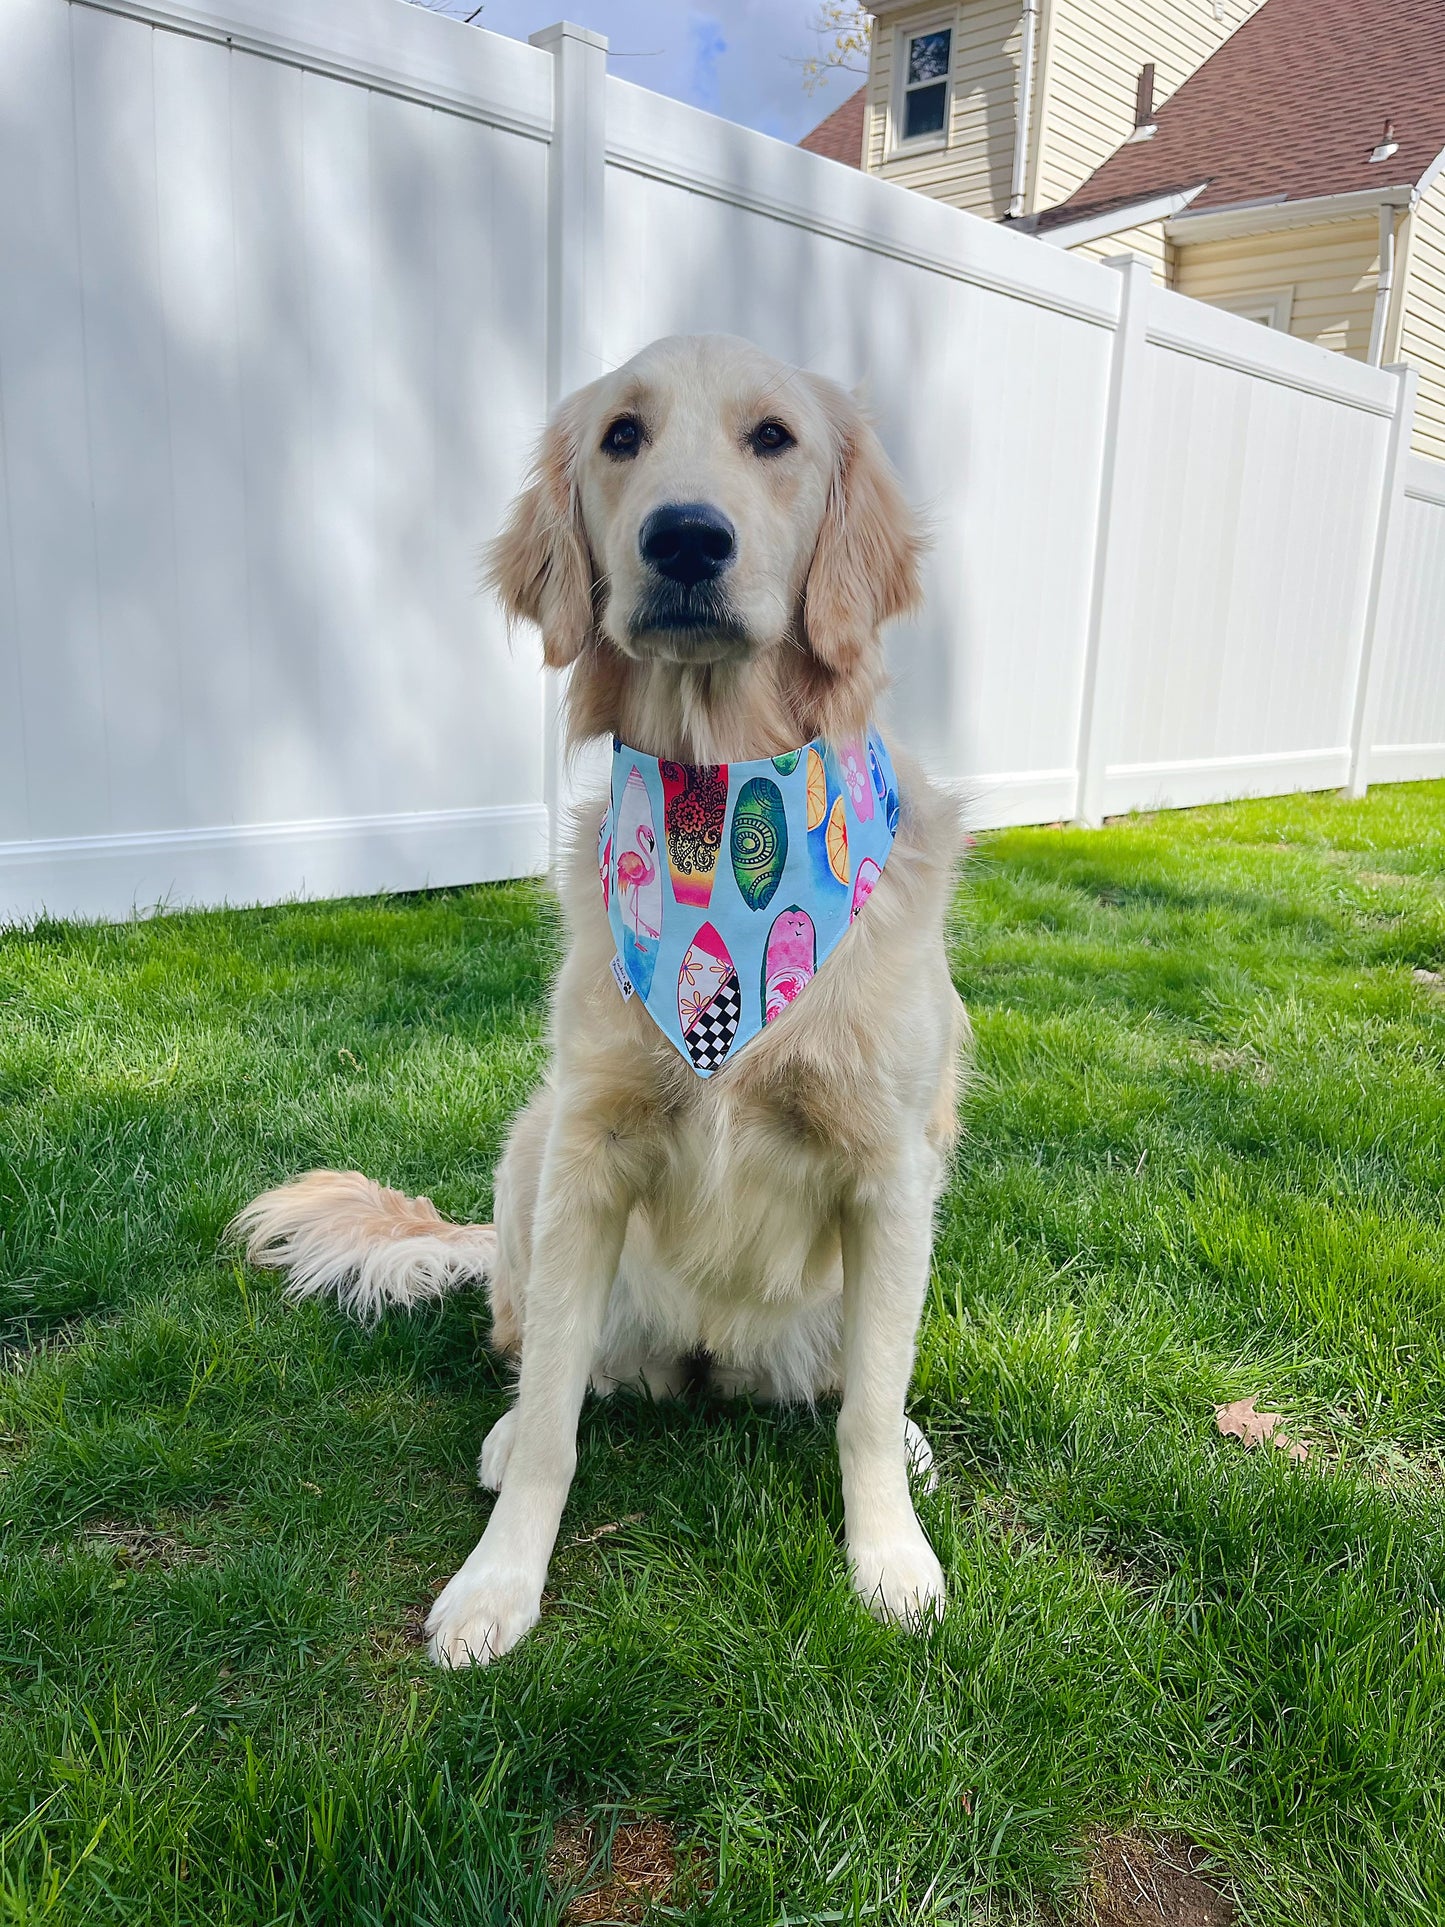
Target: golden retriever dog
x: 710, y: 543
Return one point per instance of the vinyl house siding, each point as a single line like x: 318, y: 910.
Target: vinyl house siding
x: 1086, y: 70
x: 1092, y: 53
x: 1422, y: 337
x: 1147, y: 242
x: 973, y: 170
x: 1331, y: 269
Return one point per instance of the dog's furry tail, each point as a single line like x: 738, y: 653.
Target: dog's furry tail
x: 340, y: 1232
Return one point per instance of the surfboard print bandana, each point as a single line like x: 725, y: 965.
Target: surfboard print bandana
x: 728, y: 885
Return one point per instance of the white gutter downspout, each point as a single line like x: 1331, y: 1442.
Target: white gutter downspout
x: 1383, y: 286
x: 1019, y: 183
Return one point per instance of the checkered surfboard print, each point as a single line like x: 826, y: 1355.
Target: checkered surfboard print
x: 711, y: 1037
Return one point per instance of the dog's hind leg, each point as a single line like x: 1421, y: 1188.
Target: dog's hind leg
x: 633, y: 1354
x: 921, y: 1469
x: 496, y: 1450
x: 655, y: 1373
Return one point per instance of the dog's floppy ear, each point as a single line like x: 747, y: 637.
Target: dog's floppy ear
x: 865, y: 567
x: 540, y: 565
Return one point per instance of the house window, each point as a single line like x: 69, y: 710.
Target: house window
x: 1271, y: 310
x: 925, y: 84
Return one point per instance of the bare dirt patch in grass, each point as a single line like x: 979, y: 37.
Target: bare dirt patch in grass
x: 397, y: 1639
x: 25, y: 1339
x: 137, y: 1546
x: 1226, y: 1061
x: 1390, y: 1468
x: 1000, y: 1516
x: 1135, y: 1882
x: 641, y: 1870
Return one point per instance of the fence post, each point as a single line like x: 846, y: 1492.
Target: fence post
x: 1384, y: 569
x: 1123, y: 422
x: 576, y: 184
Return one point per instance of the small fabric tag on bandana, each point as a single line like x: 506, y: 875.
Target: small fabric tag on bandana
x: 725, y: 917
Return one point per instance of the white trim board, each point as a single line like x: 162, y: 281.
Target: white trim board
x: 1220, y: 779
x: 1010, y: 799
x: 112, y: 877
x: 1406, y: 763
x: 795, y: 214
x: 1179, y: 343
x: 1001, y: 800
x: 1270, y: 217
x: 1198, y: 328
x: 1119, y: 220
x: 1425, y: 479
x: 460, y: 70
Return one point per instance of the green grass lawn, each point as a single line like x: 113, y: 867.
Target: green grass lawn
x: 1205, y: 1157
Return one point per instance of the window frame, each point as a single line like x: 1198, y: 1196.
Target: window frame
x: 904, y: 35
x: 1271, y: 307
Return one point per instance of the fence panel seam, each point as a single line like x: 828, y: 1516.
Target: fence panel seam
x: 1384, y: 580
x: 1120, y: 446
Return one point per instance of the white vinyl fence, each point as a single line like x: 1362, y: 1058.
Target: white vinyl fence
x: 1408, y: 737
x: 286, y: 290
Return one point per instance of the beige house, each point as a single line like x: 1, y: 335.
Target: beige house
x: 1281, y: 158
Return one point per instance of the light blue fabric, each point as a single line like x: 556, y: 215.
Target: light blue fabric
x: 723, y: 901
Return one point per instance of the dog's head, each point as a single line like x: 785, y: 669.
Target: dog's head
x: 706, y: 506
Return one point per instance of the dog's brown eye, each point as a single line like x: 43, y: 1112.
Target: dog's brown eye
x: 623, y: 438
x: 770, y: 438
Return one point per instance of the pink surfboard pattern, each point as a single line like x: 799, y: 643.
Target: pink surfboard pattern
x: 868, y: 875
x: 789, y: 960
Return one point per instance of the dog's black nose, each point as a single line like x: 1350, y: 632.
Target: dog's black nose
x: 688, y: 542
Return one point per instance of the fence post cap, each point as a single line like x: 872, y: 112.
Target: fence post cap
x: 550, y: 38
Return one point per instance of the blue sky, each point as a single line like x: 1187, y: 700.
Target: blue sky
x: 739, y: 58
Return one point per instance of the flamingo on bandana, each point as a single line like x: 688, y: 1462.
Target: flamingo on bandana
x: 635, y: 870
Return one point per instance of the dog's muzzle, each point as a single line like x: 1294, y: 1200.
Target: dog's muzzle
x: 694, y: 616
x: 684, y: 612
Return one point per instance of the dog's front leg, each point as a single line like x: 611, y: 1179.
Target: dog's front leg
x: 887, y: 1236
x: 581, y: 1220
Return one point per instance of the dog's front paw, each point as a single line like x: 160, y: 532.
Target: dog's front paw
x: 898, y: 1577
x: 479, y: 1615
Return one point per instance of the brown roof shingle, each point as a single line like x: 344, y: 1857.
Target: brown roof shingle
x: 840, y: 136
x: 1290, y: 107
